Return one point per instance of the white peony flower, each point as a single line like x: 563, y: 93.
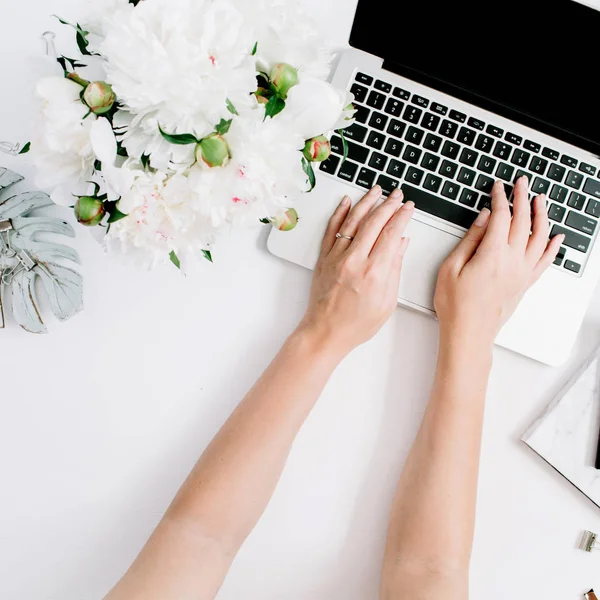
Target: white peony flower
x: 315, y: 107
x: 61, y: 149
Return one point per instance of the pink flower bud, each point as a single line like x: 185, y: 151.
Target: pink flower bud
x: 317, y: 149
x: 89, y: 211
x: 284, y: 77
x: 213, y: 151
x: 286, y: 221
x: 99, y: 96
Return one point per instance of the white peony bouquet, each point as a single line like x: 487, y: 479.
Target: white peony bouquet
x: 185, y: 118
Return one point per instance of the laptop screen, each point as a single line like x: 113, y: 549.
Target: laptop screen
x: 534, y: 62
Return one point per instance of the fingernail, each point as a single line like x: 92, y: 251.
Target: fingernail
x: 396, y: 193
x: 482, y: 217
x: 410, y: 205
x: 524, y: 180
x: 345, y: 201
x: 377, y: 189
x: 499, y: 183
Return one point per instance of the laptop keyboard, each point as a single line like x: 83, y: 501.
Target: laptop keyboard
x: 447, y: 162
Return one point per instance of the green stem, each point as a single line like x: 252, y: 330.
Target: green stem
x: 74, y: 77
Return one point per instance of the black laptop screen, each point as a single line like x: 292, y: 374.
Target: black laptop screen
x: 535, y: 62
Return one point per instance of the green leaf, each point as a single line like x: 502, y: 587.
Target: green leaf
x: 121, y: 150
x: 116, y: 215
x: 145, y: 160
x: 230, y: 107
x: 310, y: 173
x: 274, y: 106
x: 134, y: 2
x: 223, y: 126
x: 26, y: 148
x: 207, y: 255
x: 175, y: 259
x: 62, y: 21
x: 97, y: 165
x: 265, y: 221
x: 182, y: 139
x: 96, y: 187
x: 255, y: 49
x: 66, y: 62
x: 345, y: 146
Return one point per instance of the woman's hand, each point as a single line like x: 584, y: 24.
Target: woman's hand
x: 482, y: 282
x: 355, y: 286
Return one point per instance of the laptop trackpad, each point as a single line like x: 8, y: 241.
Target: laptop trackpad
x: 428, y: 249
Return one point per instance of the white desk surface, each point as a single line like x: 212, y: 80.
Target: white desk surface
x: 102, y: 419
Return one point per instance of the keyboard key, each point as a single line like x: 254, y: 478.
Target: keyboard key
x: 592, y: 188
x: 412, y: 155
x: 476, y: 124
x: 396, y: 168
x: 468, y: 197
x: 450, y: 190
x: 581, y: 223
x: 557, y: 173
x: 331, y: 164
x: 572, y: 239
x: 362, y: 113
x: 557, y: 213
x: 572, y: 266
x: 432, y: 142
x: 502, y: 150
x: 588, y: 169
x: 466, y: 136
x: 559, y: 193
x: 383, y: 86
x: 356, y: 132
x: 521, y: 173
x: 439, y: 108
x: 394, y: 147
x: 486, y: 164
x: 366, y: 178
x: 430, y: 121
x: 414, y: 176
x: 430, y: 161
x: 551, y: 154
x: 375, y: 140
x: 376, y: 100
x: 512, y: 138
x: 569, y: 161
x: 532, y: 146
x: 484, y: 143
x: 466, y: 176
x: 420, y: 101
x: 396, y: 128
x: 484, y: 184
x: 360, y: 92
x: 378, y: 161
x: 508, y: 190
x: 414, y: 135
x: 434, y: 205
x: 593, y: 208
x: 378, y: 121
x: 574, y: 180
x: 450, y: 150
x: 520, y: 158
x: 362, y: 78
x: 432, y: 183
x: 576, y: 200
x: 348, y: 171
x: 468, y: 157
x: 560, y: 256
x: 505, y: 172
x: 538, y: 165
x: 400, y: 93
x: 394, y: 107
x: 412, y: 114
x: 388, y: 185
x: 448, y: 129
x: 448, y: 169
x: 458, y: 116
x: 485, y: 202
x: 495, y: 131
x: 355, y: 152
x: 540, y: 186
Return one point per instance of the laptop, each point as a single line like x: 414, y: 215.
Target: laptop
x: 448, y: 100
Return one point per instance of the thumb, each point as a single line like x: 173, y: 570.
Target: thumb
x: 466, y: 249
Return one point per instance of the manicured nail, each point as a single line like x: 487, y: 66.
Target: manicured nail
x: 345, y: 201
x: 377, y: 190
x: 410, y: 205
x: 499, y: 183
x: 524, y: 180
x: 396, y: 194
x: 482, y: 217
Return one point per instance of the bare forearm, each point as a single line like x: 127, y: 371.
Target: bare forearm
x: 431, y: 531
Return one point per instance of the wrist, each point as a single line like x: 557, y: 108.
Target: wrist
x: 319, y: 342
x: 469, y: 348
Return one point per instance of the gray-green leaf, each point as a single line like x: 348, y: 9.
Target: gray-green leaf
x: 310, y: 174
x: 223, y: 126
x: 230, y: 107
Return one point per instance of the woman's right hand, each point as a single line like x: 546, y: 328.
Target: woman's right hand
x: 482, y: 282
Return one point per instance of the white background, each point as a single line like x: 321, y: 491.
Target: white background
x: 101, y: 420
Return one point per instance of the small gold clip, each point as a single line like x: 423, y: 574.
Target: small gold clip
x: 589, y: 542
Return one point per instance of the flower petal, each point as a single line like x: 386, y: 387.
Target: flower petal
x: 103, y: 141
